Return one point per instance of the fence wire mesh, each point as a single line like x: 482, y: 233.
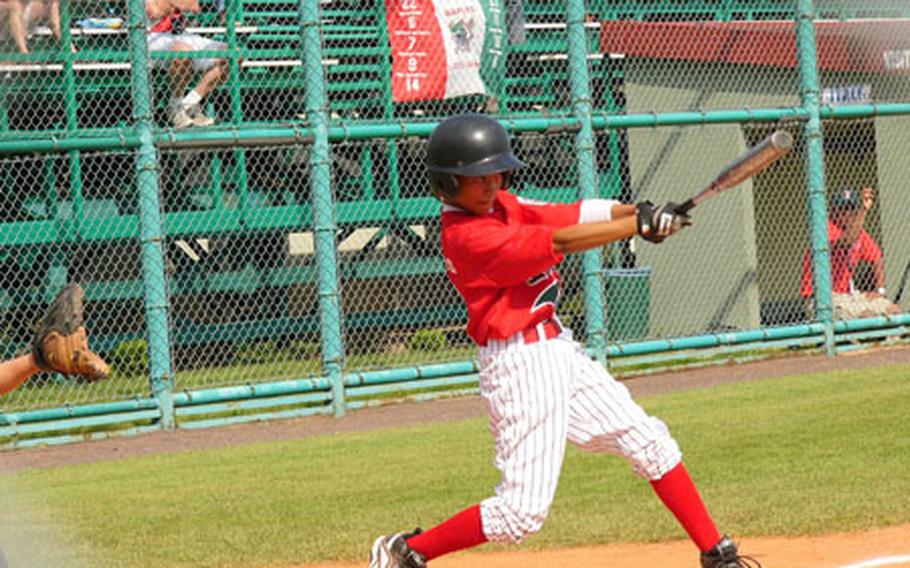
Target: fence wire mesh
x: 246, y: 286
x: 68, y: 218
x: 399, y: 307
x: 240, y: 265
x: 64, y: 65
x: 867, y: 200
x: 379, y: 63
x: 729, y: 273
x: 862, y: 57
x: 698, y: 62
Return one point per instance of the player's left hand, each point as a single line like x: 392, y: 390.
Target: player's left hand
x: 657, y: 223
x: 61, y: 342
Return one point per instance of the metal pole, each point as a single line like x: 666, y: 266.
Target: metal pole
x: 323, y: 204
x: 587, y: 171
x: 815, y: 170
x: 240, y: 176
x: 71, y: 103
x: 226, y: 135
x: 151, y: 234
x: 233, y: 14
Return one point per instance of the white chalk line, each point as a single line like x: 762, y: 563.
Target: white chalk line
x: 886, y: 561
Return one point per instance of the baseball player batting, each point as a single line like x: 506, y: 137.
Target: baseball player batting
x: 540, y: 387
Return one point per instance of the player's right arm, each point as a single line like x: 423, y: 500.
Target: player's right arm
x: 578, y: 238
x: 644, y: 219
x: 621, y: 211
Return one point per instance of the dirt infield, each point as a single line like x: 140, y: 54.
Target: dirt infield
x: 887, y: 547
x: 419, y: 413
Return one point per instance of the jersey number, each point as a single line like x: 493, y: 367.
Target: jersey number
x: 547, y: 297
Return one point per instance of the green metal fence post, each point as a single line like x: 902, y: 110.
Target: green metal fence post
x: 240, y: 177
x: 579, y: 78
x: 71, y: 104
x: 815, y: 170
x: 151, y: 234
x: 323, y: 203
x: 233, y: 15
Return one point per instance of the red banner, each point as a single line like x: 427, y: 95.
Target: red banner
x: 419, y: 67
x: 853, y: 46
x: 437, y: 48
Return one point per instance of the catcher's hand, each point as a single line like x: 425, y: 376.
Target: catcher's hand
x: 60, y: 342
x: 657, y: 223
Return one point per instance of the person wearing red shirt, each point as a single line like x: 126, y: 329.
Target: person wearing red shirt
x: 165, y: 33
x: 850, y: 244
x: 541, y: 388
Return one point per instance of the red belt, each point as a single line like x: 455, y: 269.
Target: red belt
x: 549, y: 327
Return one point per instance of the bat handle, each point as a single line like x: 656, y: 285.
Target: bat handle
x: 685, y: 207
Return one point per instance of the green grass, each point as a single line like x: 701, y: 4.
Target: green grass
x: 798, y: 455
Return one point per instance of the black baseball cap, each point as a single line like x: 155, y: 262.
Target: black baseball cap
x: 846, y: 199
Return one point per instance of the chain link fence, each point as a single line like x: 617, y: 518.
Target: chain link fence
x: 305, y: 120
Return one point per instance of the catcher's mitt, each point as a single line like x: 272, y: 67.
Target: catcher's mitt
x: 61, y: 344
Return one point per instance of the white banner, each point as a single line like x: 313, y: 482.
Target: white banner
x: 437, y: 48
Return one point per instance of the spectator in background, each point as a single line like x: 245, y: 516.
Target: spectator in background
x: 515, y: 20
x: 24, y: 15
x: 850, y: 244
x: 219, y: 9
x: 165, y: 33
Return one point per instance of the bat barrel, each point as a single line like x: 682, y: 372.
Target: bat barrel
x: 782, y: 140
x: 752, y: 162
x: 755, y: 160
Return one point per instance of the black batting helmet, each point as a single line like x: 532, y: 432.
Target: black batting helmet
x: 469, y: 145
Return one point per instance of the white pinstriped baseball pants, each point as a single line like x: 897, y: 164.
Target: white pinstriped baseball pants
x: 540, y: 395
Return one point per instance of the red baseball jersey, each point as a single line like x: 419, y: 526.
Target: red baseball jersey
x: 166, y: 23
x: 843, y: 261
x: 502, y: 263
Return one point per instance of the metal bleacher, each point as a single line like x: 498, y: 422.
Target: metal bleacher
x: 235, y: 215
x: 223, y: 283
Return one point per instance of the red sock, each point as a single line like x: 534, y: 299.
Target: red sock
x: 679, y: 494
x: 464, y: 530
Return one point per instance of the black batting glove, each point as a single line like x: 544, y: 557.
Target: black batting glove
x: 678, y: 220
x: 657, y: 223
x: 644, y: 216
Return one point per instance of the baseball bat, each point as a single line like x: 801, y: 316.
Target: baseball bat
x: 756, y: 159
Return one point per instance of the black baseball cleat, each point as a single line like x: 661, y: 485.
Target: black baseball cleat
x: 393, y: 552
x: 725, y: 555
